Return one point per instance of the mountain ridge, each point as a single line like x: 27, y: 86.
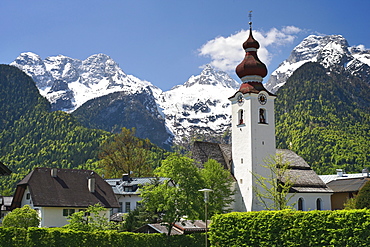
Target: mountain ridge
x: 198, y: 107
x: 332, y: 51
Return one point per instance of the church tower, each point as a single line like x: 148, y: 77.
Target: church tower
x: 253, y: 127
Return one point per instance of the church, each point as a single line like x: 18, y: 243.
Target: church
x: 253, y: 143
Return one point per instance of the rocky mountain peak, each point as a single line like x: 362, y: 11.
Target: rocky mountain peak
x: 212, y: 77
x: 332, y: 51
x: 76, y: 81
x: 33, y: 65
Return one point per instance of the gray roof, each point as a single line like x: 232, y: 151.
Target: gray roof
x: 306, y: 180
x: 183, y: 227
x: 120, y: 187
x: 68, y: 189
x: 203, y: 151
x: 328, y: 178
x: 347, y: 185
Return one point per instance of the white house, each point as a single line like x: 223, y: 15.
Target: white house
x: 57, y: 193
x: 253, y: 142
x: 127, y: 191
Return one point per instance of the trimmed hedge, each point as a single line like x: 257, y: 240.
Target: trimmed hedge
x: 291, y: 228
x: 50, y: 237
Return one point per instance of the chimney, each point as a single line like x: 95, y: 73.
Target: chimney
x: 126, y: 177
x: 365, y: 172
x: 339, y: 172
x: 91, y: 182
x: 54, y: 172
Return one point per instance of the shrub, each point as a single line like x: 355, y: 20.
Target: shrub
x: 22, y: 218
x: 291, y: 228
x: 363, y: 197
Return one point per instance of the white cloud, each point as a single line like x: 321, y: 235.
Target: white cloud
x: 227, y: 52
x: 291, y: 30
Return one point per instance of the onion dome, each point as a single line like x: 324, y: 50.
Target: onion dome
x: 251, y: 70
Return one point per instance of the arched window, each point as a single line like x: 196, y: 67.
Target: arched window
x: 318, y: 204
x: 301, y: 204
x: 241, y: 116
x: 262, y: 116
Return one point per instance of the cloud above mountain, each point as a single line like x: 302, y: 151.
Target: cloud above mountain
x: 227, y: 52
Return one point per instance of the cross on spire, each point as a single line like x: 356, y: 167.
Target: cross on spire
x: 250, y: 18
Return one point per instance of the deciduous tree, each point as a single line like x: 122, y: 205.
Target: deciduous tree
x: 92, y: 219
x: 22, y: 218
x: 126, y: 153
x: 273, y: 191
x: 179, y: 196
x: 218, y: 179
x: 363, y: 197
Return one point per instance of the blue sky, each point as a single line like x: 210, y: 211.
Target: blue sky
x: 165, y: 42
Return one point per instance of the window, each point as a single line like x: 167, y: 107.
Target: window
x: 300, y: 204
x: 120, y: 208
x: 262, y: 116
x: 127, y: 207
x: 68, y: 212
x: 318, y: 204
x: 28, y: 196
x: 128, y: 189
x: 241, y: 117
x: 84, y: 210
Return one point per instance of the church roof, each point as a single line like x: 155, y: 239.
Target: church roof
x: 203, y: 151
x: 306, y: 179
x: 251, y: 70
x: 251, y: 65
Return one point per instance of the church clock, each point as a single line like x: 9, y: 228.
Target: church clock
x: 262, y: 98
x: 240, y: 99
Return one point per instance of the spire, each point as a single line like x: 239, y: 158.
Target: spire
x: 251, y: 70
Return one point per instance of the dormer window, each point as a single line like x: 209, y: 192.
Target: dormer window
x: 128, y: 189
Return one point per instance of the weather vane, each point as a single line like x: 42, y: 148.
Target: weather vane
x: 250, y: 18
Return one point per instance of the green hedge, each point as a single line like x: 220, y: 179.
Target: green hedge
x: 50, y: 237
x: 291, y: 228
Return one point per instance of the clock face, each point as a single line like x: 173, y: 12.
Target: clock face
x: 240, y: 99
x: 262, y: 99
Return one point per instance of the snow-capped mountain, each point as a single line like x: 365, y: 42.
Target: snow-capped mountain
x: 200, y: 105
x: 332, y: 51
x: 68, y: 83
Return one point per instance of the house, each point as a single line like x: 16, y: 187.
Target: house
x: 127, y: 192
x: 179, y: 228
x: 253, y: 142
x: 4, y: 200
x: 344, y: 186
x: 57, y: 193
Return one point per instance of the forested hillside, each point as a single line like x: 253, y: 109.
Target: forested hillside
x: 31, y: 136
x: 325, y: 118
x: 120, y: 109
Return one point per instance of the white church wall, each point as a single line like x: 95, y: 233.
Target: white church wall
x: 310, y: 201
